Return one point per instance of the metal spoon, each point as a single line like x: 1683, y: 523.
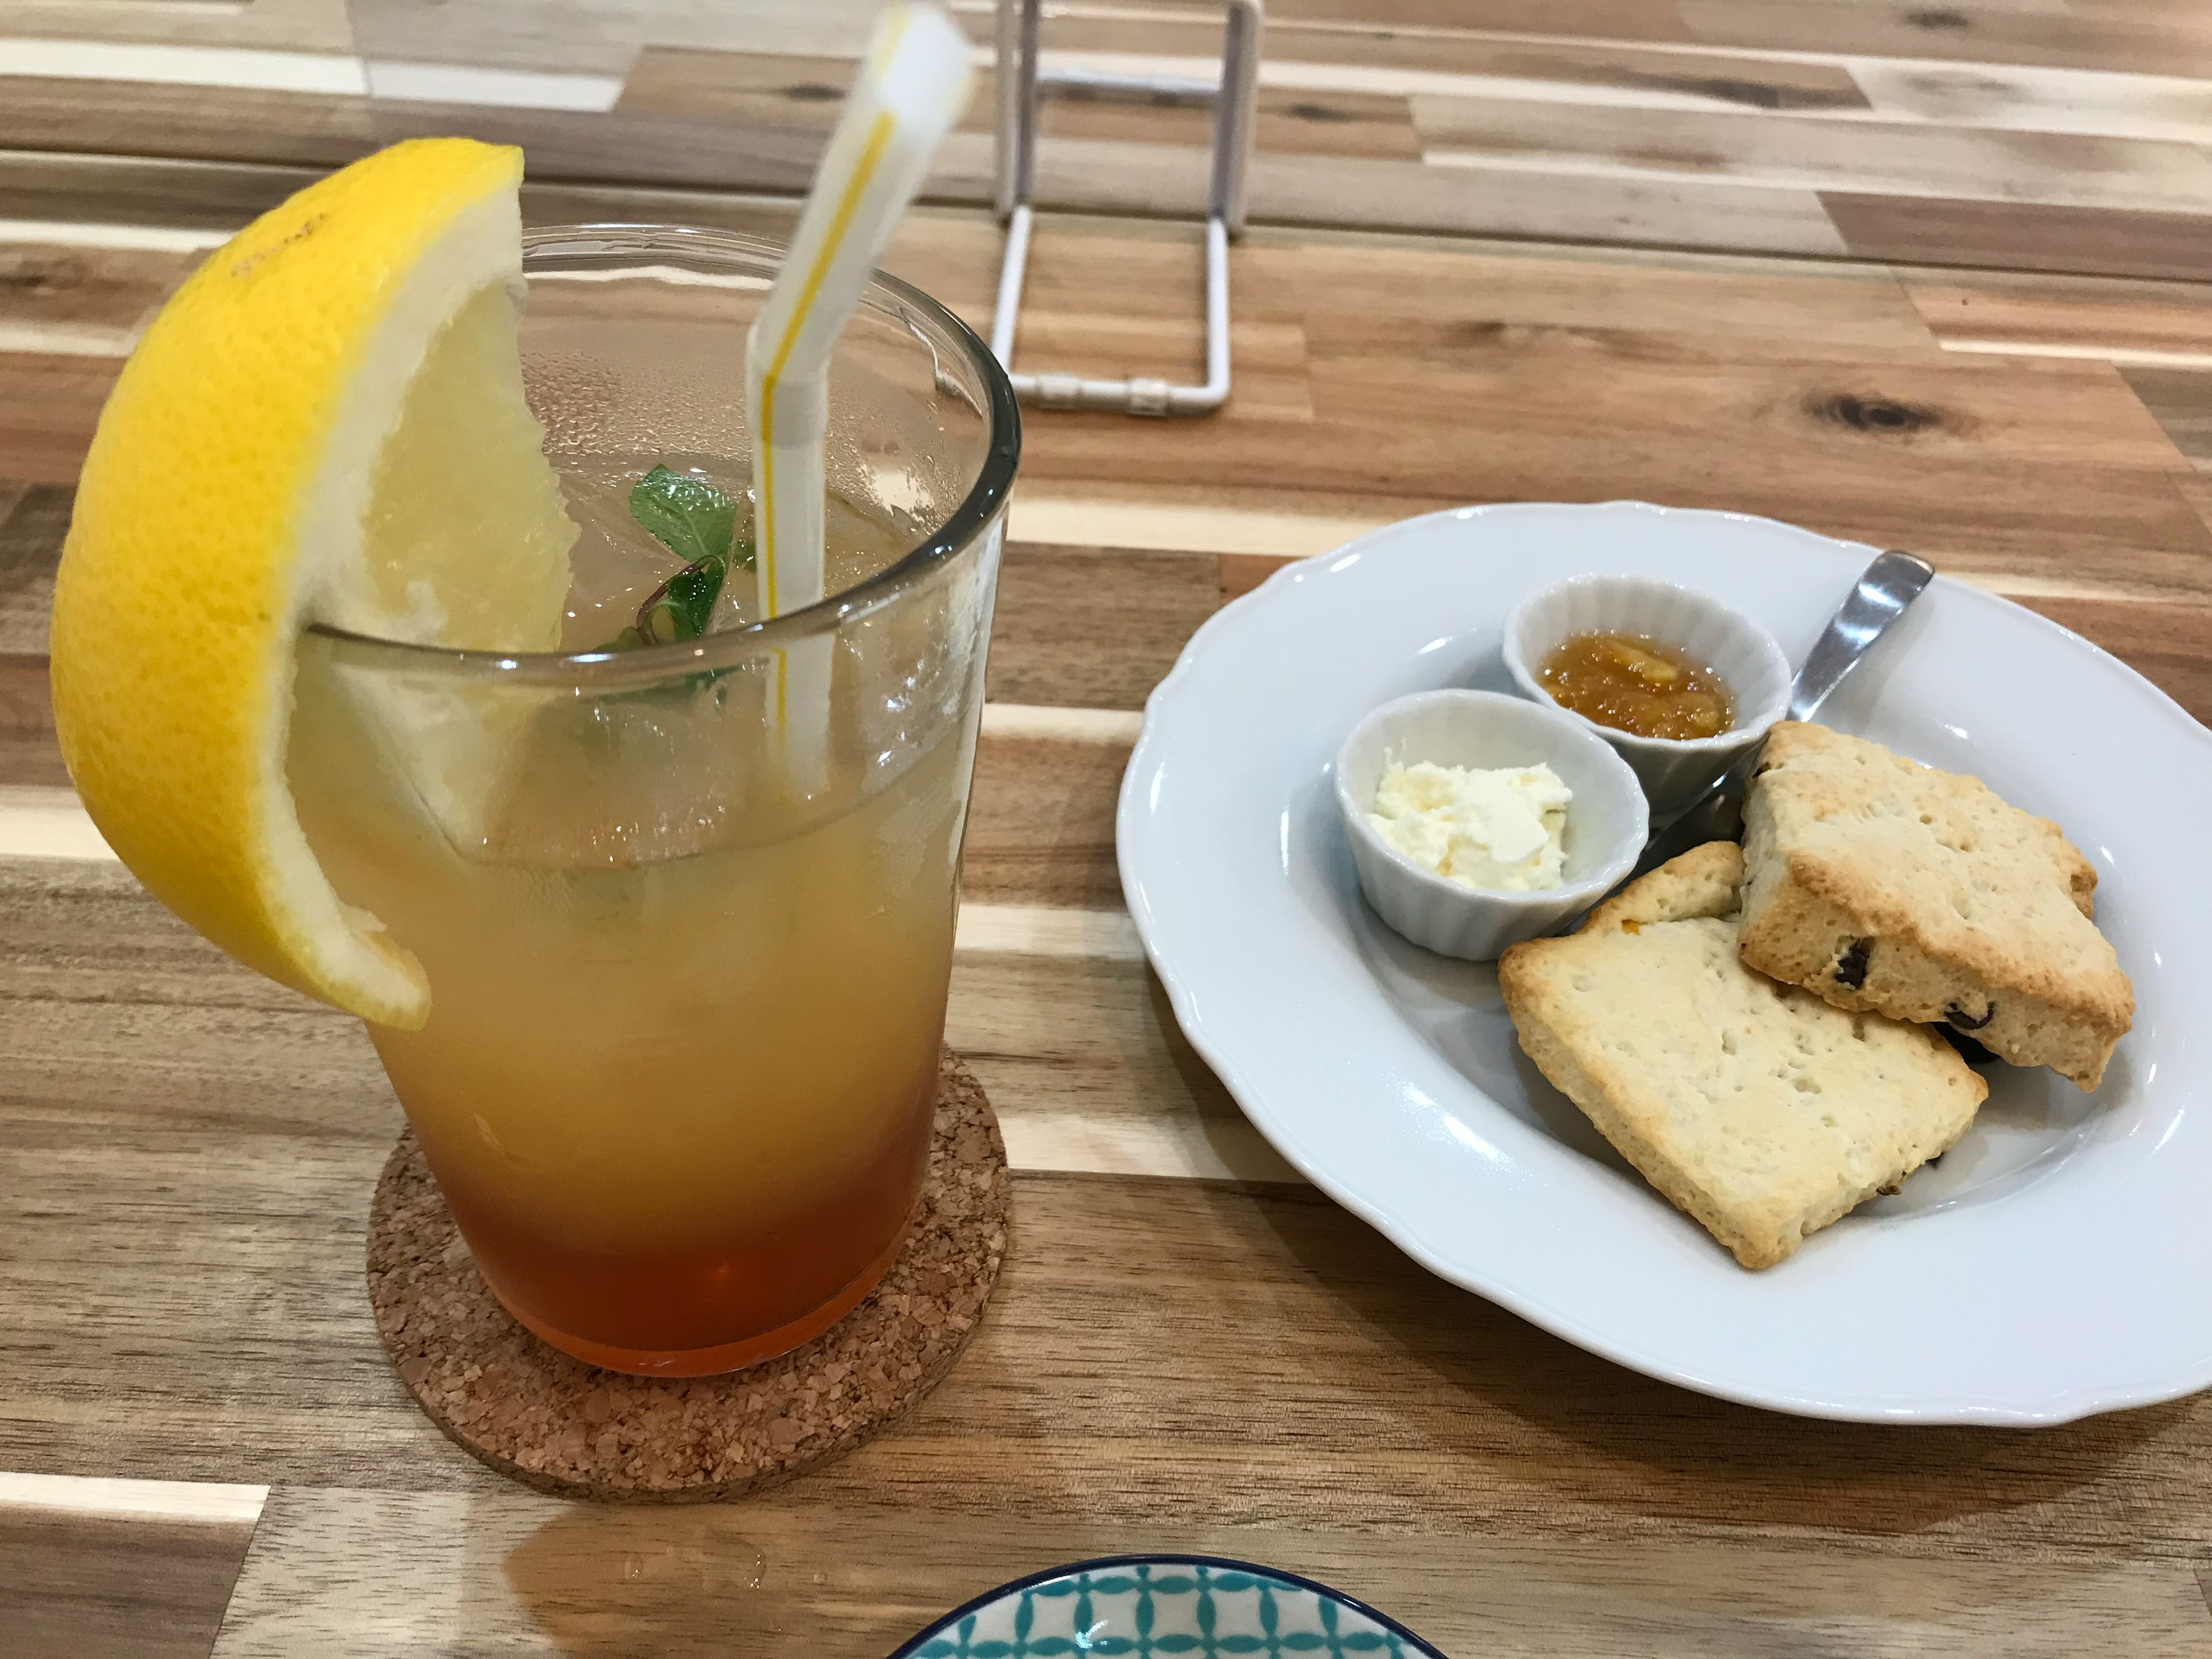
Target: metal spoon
x: 1886, y: 587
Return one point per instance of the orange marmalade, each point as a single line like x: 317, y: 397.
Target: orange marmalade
x: 1633, y: 684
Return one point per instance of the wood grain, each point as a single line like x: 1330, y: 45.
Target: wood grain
x: 2120, y: 321
x: 216, y: 123
x: 1625, y: 135
x: 1615, y: 20
x: 1602, y: 73
x: 311, y: 25
x: 149, y: 1081
x: 2093, y: 241
x: 2147, y: 40
x: 28, y: 753
x: 49, y: 403
x: 2181, y: 402
x: 2038, y: 98
x: 53, y: 285
x: 755, y: 88
x: 60, y: 187
x: 80, y: 1586
x: 1865, y: 156
x: 788, y: 1575
x: 1192, y: 1348
x: 621, y: 144
x: 34, y: 520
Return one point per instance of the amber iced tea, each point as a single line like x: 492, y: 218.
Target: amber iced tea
x: 673, y: 1099
x: 678, y: 1078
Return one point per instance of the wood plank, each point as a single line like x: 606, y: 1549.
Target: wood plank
x: 56, y: 186
x: 1047, y: 642
x: 753, y: 88
x: 2029, y: 315
x: 2167, y: 42
x: 312, y: 26
x: 227, y: 1134
x: 1287, y: 121
x: 1296, y: 122
x: 1868, y: 157
x: 1799, y: 308
x: 620, y: 145
x: 778, y: 90
x: 599, y: 39
x: 2181, y: 401
x: 1731, y: 386
x: 2090, y: 241
x: 1094, y: 1074
x: 2037, y: 99
x: 1098, y: 176
x: 1040, y: 823
x: 1608, y: 19
x: 2163, y: 643
x: 588, y: 39
x: 32, y: 527
x: 1609, y: 71
x: 76, y: 1585
x: 53, y: 286
x: 28, y: 753
x: 1964, y: 470
x: 374, y: 1573
x: 49, y: 405
x: 1359, y: 58
x: 2197, y: 492
x: 156, y: 118
x: 1185, y: 521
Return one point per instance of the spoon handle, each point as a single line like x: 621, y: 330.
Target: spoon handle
x: 1885, y: 588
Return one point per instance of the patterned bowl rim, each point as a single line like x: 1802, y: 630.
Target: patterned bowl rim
x: 913, y: 1644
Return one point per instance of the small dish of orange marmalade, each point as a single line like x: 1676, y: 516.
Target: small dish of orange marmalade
x: 1637, y: 684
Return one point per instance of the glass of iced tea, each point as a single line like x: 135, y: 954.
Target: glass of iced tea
x: 679, y: 1076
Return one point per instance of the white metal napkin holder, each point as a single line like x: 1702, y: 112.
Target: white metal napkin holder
x: 1023, y: 83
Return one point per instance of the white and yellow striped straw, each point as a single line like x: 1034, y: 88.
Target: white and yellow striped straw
x: 911, y: 89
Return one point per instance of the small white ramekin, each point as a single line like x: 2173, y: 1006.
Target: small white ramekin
x: 1673, y: 771
x: 1606, y: 820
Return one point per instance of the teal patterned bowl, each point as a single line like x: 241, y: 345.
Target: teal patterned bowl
x: 1143, y: 1605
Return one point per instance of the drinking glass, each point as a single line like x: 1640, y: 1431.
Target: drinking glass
x: 688, y: 935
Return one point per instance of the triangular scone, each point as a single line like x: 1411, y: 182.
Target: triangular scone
x: 1756, y: 1106
x: 1885, y: 885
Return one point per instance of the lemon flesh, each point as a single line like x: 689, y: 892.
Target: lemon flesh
x: 325, y: 423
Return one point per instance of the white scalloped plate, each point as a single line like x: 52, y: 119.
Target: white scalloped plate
x: 2052, y: 1265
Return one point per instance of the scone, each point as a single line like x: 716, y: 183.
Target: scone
x: 1882, y: 883
x: 1756, y: 1106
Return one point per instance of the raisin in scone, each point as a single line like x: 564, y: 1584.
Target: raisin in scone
x: 1885, y: 884
x: 1759, y: 1108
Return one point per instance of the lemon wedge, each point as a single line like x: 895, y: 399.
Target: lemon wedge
x: 324, y: 424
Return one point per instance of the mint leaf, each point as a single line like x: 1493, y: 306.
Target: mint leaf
x: 690, y: 596
x: 698, y: 524
x: 691, y: 518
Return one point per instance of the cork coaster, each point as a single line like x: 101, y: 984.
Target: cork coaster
x: 559, y: 1425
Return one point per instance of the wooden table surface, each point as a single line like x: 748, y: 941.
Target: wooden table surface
x: 1927, y: 275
